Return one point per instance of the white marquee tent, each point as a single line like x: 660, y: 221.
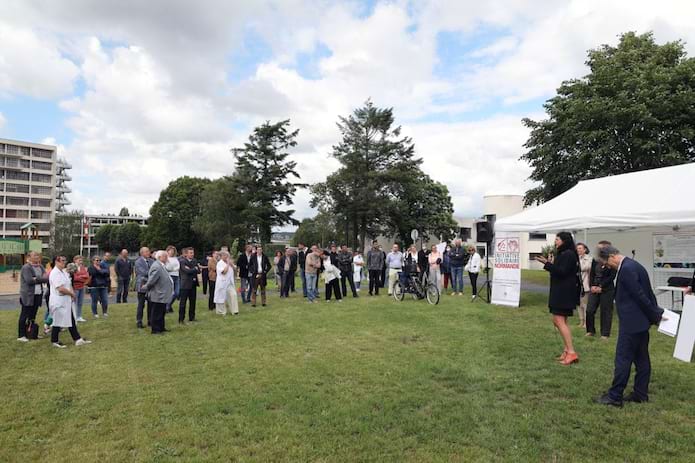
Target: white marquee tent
x: 650, y: 198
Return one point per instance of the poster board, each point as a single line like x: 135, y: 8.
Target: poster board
x: 686, y: 331
x: 673, y: 255
x: 506, y: 276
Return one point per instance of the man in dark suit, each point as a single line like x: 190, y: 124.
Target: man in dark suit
x: 637, y: 311
x: 188, y: 272
x: 242, y: 264
x: 301, y: 262
x: 259, y: 266
x: 287, y: 266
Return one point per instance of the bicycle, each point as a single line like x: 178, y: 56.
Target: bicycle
x: 420, y: 288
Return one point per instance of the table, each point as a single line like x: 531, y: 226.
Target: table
x: 673, y: 290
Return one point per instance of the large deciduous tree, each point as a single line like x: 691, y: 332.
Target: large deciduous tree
x: 65, y: 239
x: 173, y: 215
x: 635, y: 110
x: 319, y: 230
x: 224, y: 215
x: 264, y: 176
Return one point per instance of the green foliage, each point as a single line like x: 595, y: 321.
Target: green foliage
x: 635, y: 110
x: 320, y: 230
x: 128, y: 236
x: 263, y: 176
x: 549, y: 250
x: 65, y: 239
x: 173, y: 215
x: 106, y: 237
x: 380, y: 187
x: 124, y: 212
x: 224, y: 215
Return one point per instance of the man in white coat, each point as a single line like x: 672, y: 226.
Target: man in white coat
x: 61, y: 305
x: 225, y: 288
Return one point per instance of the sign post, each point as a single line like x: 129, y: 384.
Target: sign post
x: 506, y: 277
x: 414, y: 234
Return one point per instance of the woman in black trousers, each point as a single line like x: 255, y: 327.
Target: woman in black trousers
x: 564, y: 291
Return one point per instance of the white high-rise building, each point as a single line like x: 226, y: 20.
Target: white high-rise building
x: 30, y: 174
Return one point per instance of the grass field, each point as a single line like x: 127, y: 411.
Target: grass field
x: 366, y: 380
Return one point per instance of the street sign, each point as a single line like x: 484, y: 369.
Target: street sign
x: 414, y: 234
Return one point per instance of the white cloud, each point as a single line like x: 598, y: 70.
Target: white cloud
x: 32, y: 65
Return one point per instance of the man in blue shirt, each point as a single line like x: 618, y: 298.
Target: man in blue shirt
x: 394, y: 263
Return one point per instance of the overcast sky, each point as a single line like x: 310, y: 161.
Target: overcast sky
x: 137, y: 93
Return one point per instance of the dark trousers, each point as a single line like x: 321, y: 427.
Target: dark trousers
x: 206, y: 279
x: 100, y: 295
x: 287, y: 280
x: 374, y: 281
x: 350, y: 279
x: 474, y: 282
x: 382, y: 278
x: 605, y: 301
x: 333, y: 288
x: 28, y: 315
x: 158, y: 312
x: 55, y: 331
x: 142, y: 300
x: 211, y: 296
x: 122, y: 290
x: 190, y: 296
x: 256, y: 283
x: 631, y: 348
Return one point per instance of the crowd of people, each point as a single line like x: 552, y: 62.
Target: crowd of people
x: 163, y: 277
x: 578, y: 281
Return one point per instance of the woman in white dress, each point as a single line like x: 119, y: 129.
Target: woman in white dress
x: 357, y: 265
x: 225, y: 288
x: 61, y: 305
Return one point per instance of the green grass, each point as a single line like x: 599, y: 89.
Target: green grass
x: 537, y: 277
x: 367, y: 380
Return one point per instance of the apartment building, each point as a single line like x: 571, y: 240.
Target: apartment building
x: 29, y: 176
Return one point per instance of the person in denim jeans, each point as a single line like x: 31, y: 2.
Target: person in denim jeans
x: 99, y: 286
x: 79, y: 280
x: 311, y: 267
x: 457, y: 260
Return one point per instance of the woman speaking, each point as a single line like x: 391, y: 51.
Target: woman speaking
x: 564, y: 290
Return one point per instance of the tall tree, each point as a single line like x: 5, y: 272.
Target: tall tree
x: 635, y: 110
x: 263, y: 175
x: 366, y: 193
x: 224, y: 215
x: 172, y: 216
x: 65, y: 239
x: 319, y: 230
x: 124, y: 212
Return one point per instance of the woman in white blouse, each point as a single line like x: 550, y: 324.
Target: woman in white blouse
x: 61, y: 305
x: 473, y: 268
x: 585, y: 261
x: 357, y: 264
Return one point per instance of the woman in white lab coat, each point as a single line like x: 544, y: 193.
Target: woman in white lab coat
x: 61, y: 305
x: 225, y: 289
x: 473, y: 268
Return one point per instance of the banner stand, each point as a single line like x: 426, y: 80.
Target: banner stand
x: 506, y: 277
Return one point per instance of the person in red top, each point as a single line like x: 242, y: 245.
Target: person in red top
x: 79, y: 281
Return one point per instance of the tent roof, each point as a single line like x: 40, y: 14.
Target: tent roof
x: 649, y: 198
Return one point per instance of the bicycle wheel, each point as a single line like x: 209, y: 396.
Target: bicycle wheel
x: 432, y: 294
x: 398, y: 291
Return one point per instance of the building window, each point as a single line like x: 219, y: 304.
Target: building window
x: 12, y: 149
x: 40, y: 215
x: 41, y: 178
x: 39, y: 153
x: 13, y: 226
x: 532, y: 256
x: 465, y: 233
x: 12, y: 175
x: 41, y: 202
x: 41, y: 190
x: 41, y: 165
x: 24, y: 163
x: 24, y: 150
x: 15, y: 188
x: 14, y: 214
x: 14, y: 201
x: 537, y: 237
x: 482, y: 251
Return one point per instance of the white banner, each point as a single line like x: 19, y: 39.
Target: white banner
x: 506, y: 276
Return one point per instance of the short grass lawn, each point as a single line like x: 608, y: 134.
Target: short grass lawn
x: 370, y: 379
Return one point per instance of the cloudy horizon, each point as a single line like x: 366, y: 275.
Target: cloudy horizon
x: 167, y: 88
